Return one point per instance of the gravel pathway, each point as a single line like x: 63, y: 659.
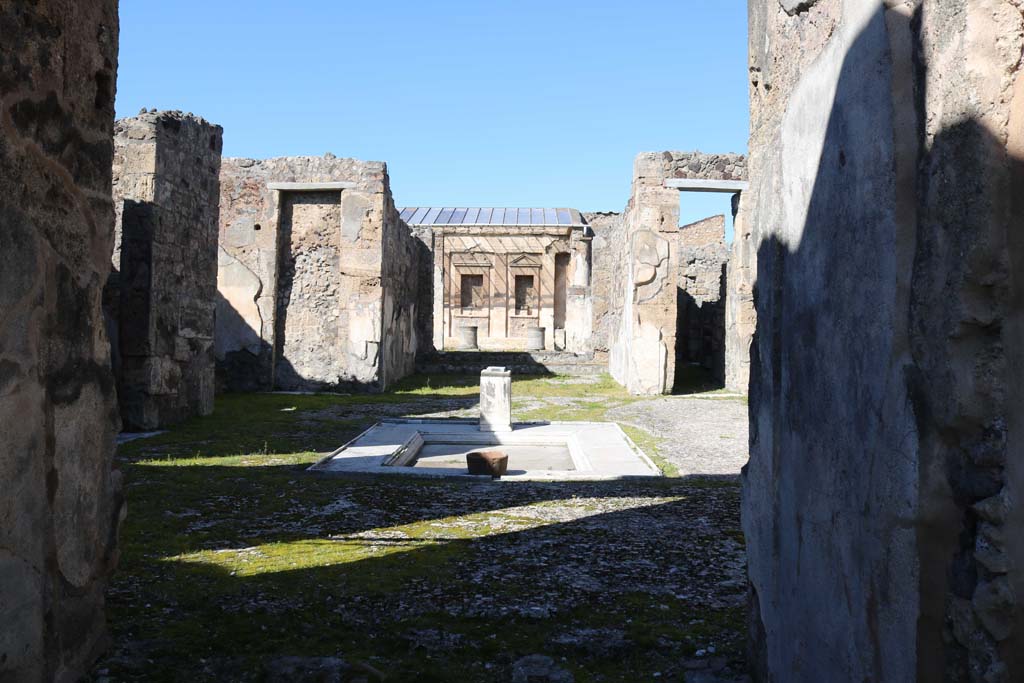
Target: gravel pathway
x: 697, y: 435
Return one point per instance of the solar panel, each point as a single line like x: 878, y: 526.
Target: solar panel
x: 431, y: 216
x: 425, y: 215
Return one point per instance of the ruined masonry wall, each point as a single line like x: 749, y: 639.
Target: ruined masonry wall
x: 166, y: 197
x: 400, y: 279
x: 61, y: 501
x: 643, y: 346
x: 703, y: 257
x: 885, y: 477
x: 302, y: 281
x: 607, y: 273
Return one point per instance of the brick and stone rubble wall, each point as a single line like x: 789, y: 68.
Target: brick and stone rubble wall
x: 886, y: 479
x: 700, y: 166
x: 166, y: 197
x: 607, y: 273
x: 302, y: 282
x: 642, y: 354
x: 643, y: 345
x: 703, y: 257
x: 61, y: 501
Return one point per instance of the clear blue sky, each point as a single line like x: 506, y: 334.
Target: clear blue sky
x: 527, y: 103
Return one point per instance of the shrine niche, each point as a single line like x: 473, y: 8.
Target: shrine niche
x: 506, y: 272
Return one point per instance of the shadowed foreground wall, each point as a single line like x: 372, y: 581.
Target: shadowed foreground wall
x: 166, y: 206
x: 882, y: 502
x: 59, y: 499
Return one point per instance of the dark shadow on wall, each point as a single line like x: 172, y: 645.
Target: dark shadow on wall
x: 243, y: 357
x: 700, y: 340
x: 877, y: 373
x: 425, y: 299
x: 245, y: 360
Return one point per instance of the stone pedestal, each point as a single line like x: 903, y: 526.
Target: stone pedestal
x: 496, y: 400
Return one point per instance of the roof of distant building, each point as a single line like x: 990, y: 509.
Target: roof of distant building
x: 510, y: 216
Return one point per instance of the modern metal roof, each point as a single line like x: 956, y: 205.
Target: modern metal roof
x: 507, y: 216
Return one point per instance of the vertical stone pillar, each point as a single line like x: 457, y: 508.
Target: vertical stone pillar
x: 740, y: 316
x: 166, y: 197
x: 496, y: 400
x: 60, y: 501
x: 579, y: 312
x: 643, y: 354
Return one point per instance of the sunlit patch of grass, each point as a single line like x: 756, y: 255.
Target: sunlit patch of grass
x: 233, y: 554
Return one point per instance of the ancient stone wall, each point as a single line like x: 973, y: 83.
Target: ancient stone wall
x: 61, y: 502
x: 642, y: 354
x: 425, y: 276
x: 886, y: 481
x: 608, y: 269
x: 302, y: 281
x: 740, y: 315
x: 700, y: 332
x: 166, y: 191
x: 700, y: 166
x: 400, y: 280
x: 643, y: 345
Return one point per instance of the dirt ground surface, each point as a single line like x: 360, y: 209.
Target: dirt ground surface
x: 239, y: 565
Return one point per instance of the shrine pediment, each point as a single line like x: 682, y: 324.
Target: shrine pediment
x: 525, y: 261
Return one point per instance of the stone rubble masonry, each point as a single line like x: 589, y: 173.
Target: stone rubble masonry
x: 608, y: 263
x: 166, y: 201
x: 643, y: 345
x: 703, y: 256
x: 884, y: 497
x: 61, y: 501
x: 318, y: 289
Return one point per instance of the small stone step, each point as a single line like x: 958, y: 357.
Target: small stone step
x: 519, y: 362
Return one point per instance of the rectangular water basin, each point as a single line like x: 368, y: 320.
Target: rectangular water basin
x: 537, y: 451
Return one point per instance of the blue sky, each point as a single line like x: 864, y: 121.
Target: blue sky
x: 469, y: 103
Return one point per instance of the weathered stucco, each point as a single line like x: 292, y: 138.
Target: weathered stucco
x: 60, y: 501
x: 318, y: 284
x: 643, y: 345
x: 166, y: 191
x: 607, y: 294
x: 884, y: 406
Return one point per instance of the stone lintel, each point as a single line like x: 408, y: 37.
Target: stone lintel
x: 700, y: 185
x: 313, y: 187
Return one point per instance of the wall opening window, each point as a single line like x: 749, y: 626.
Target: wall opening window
x: 524, y: 294
x: 471, y: 291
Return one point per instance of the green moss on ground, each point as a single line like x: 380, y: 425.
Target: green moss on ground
x: 232, y: 554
